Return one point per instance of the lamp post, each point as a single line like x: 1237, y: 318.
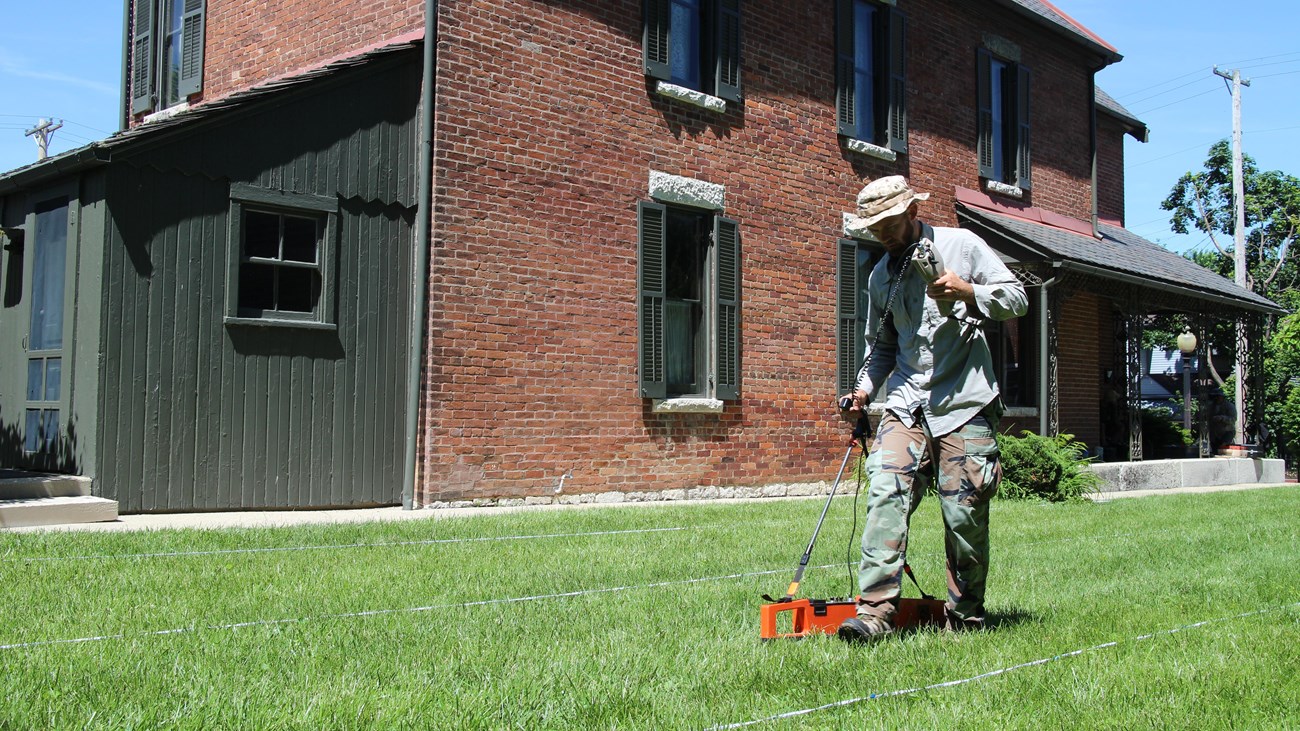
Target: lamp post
x: 1187, y: 344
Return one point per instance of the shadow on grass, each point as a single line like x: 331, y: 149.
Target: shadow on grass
x: 1007, y: 618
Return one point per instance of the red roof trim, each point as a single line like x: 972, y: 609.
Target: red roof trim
x: 1082, y: 28
x: 976, y: 199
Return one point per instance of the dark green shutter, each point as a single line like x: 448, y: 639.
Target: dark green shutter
x: 846, y: 107
x: 651, y: 250
x: 896, y: 82
x: 727, y: 69
x: 654, y: 40
x: 726, y: 234
x: 984, y: 136
x: 1023, y: 178
x: 191, y: 81
x: 848, y: 335
x: 142, y: 57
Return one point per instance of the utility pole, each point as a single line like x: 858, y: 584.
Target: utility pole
x: 43, y: 131
x: 1238, y: 243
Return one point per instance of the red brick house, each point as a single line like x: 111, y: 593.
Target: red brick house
x: 630, y: 273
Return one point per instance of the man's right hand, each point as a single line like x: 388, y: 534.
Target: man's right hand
x: 852, y: 404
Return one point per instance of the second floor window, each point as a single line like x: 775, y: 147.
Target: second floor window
x: 166, y: 52
x: 870, y: 73
x: 1003, y: 140
x: 694, y: 44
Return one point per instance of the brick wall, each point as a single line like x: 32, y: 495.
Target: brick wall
x: 546, y: 134
x: 247, y: 43
x: 1110, y: 168
x: 1083, y: 330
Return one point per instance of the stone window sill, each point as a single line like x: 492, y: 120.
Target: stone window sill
x: 687, y: 406
x: 1011, y: 191
x: 866, y: 148
x: 691, y: 96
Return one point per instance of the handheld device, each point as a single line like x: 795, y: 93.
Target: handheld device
x: 929, y: 264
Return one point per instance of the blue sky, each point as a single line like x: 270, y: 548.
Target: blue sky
x: 62, y: 59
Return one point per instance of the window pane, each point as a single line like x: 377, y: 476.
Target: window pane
x: 261, y: 234
x: 170, y: 63
x: 32, y: 431
x: 35, y: 371
x: 864, y: 50
x: 997, y: 72
x: 684, y: 43
x: 256, y: 286
x: 680, y: 345
x: 298, y: 289
x: 49, y: 428
x: 47, y: 276
x: 300, y: 239
x: 687, y: 239
x: 53, y: 375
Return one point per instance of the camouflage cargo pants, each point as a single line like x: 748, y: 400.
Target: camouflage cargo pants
x: 900, y: 467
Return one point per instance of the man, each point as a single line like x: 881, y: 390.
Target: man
x: 942, y: 402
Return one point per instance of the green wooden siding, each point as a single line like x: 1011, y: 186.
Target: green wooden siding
x: 200, y: 414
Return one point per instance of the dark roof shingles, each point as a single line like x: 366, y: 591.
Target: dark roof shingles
x: 1120, y: 250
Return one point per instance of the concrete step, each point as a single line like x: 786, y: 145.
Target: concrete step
x: 59, y: 510
x: 1164, y: 474
x: 19, y: 485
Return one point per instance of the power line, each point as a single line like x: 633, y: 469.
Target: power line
x: 1275, y: 63
x: 1162, y: 83
x: 1169, y: 91
x: 1261, y: 58
x: 1201, y: 71
x: 65, y: 121
x: 1180, y: 101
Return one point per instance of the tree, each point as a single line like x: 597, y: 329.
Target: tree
x: 1203, y: 201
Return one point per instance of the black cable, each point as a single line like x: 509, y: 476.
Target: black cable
x: 853, y: 532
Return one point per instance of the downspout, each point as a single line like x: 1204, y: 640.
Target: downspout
x: 124, y: 115
x: 1043, y: 384
x: 423, y: 242
x: 1092, y: 146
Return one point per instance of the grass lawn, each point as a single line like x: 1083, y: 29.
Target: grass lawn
x: 647, y: 618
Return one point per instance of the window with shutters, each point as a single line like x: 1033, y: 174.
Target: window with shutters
x: 166, y: 53
x: 689, y: 264
x: 1014, y: 345
x: 694, y: 44
x: 1003, y: 141
x: 280, y: 258
x: 855, y: 260
x: 870, y: 73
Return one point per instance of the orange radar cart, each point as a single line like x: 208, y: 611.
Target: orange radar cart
x: 788, y: 617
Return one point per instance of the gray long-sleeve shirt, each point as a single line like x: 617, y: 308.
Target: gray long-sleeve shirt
x: 940, y: 365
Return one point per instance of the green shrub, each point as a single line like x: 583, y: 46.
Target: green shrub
x: 1052, y: 469
x: 1163, y: 435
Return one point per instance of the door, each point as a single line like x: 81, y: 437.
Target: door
x: 49, y: 223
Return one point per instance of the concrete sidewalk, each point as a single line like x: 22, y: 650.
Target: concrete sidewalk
x: 284, y: 518
x: 1109, y: 495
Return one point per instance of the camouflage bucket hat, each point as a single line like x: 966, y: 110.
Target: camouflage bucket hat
x: 882, y: 198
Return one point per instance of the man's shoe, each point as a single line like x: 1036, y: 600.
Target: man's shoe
x: 863, y: 628
x: 957, y: 624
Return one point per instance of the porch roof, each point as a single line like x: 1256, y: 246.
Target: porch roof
x: 1118, y: 254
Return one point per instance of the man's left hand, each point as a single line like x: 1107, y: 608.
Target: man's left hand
x: 951, y: 288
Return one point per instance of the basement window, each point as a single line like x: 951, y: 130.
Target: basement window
x: 280, y: 258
